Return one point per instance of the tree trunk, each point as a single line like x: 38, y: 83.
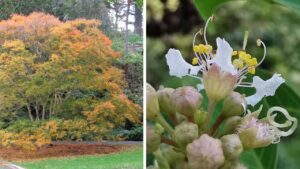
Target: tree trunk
x: 43, y: 111
x: 37, y: 111
x: 138, y: 20
x: 126, y: 28
x: 29, y: 112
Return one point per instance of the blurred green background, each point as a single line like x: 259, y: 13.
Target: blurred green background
x: 173, y: 23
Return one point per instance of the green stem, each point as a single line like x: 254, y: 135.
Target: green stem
x: 161, y: 161
x: 211, y: 109
x: 160, y: 119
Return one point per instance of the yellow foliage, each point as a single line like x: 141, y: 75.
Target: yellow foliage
x: 14, y: 45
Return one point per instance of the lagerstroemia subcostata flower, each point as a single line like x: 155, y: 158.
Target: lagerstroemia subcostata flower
x: 223, y: 70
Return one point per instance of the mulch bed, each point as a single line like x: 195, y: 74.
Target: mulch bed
x: 58, y: 150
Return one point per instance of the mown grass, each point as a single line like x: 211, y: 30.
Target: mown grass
x: 124, y: 160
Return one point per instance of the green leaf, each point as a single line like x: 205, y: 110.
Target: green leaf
x: 263, y: 158
x: 292, y: 4
x: 206, y: 7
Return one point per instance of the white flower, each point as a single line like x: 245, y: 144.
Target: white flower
x: 264, y: 88
x: 223, y: 57
x: 238, y: 67
x: 178, y: 66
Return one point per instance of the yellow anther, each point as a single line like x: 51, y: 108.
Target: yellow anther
x: 234, y: 53
x: 203, y: 49
x: 252, y: 62
x: 244, y: 56
x: 251, y: 70
x: 209, y: 48
x: 238, y: 63
x: 196, y: 48
x: 195, y: 61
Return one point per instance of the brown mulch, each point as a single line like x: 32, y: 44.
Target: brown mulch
x: 58, y: 150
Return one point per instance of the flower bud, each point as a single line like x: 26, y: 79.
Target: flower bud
x: 152, y: 103
x: 231, y: 124
x: 217, y: 83
x: 233, y: 165
x: 200, y: 116
x: 255, y: 133
x: 153, y: 140
x: 232, y: 146
x: 205, y: 153
x: 186, y: 100
x: 234, y: 104
x: 164, y: 99
x: 185, y: 133
x: 174, y: 158
x: 152, y: 167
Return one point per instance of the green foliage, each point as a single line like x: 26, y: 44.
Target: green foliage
x: 206, y: 8
x: 9, y: 7
x: 133, y: 66
x: 135, y: 133
x: 265, y: 158
x: 292, y: 4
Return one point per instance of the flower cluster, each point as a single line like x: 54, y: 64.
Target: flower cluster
x: 191, y: 139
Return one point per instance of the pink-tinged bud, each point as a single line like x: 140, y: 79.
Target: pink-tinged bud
x: 234, y: 104
x: 232, y: 146
x: 233, y: 165
x: 153, y: 140
x: 152, y: 103
x: 185, y: 133
x: 205, y: 153
x: 186, y: 100
x: 164, y: 99
x: 217, y: 83
x: 256, y: 133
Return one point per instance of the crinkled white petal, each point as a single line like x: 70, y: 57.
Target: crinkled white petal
x: 178, y: 66
x: 223, y: 57
x: 264, y: 88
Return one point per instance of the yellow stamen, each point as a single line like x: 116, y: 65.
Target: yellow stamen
x: 195, y: 61
x: 196, y: 48
x: 238, y: 63
x: 234, y: 53
x: 251, y: 70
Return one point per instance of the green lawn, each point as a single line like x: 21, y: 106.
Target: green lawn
x: 125, y: 160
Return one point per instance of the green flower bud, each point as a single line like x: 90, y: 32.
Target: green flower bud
x: 231, y: 124
x: 185, y: 133
x: 152, y: 103
x: 232, y: 146
x: 217, y: 83
x: 200, y: 117
x: 174, y: 158
x: 205, y: 153
x: 152, y: 167
x: 186, y: 100
x: 234, y: 105
x: 153, y: 140
x: 164, y: 99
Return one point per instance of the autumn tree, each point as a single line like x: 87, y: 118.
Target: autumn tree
x: 47, y: 65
